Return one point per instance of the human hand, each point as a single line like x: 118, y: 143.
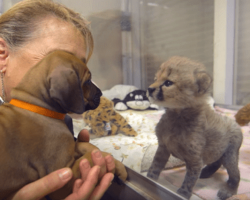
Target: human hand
x: 84, y: 188
x: 107, y: 163
x: 105, y: 160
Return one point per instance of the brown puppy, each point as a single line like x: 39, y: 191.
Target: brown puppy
x: 33, y: 145
x: 190, y: 130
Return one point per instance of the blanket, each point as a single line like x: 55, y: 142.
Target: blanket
x: 135, y: 152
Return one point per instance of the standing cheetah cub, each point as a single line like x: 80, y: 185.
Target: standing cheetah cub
x: 190, y: 130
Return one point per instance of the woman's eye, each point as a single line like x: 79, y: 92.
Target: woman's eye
x: 168, y: 83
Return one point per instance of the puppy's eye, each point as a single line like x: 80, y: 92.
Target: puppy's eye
x: 88, y: 82
x: 168, y: 83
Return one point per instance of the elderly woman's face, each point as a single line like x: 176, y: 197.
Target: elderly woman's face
x: 54, y: 34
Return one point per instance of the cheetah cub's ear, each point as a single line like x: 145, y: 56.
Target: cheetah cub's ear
x: 203, y: 81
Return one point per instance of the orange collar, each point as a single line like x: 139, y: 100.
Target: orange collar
x: 37, y: 109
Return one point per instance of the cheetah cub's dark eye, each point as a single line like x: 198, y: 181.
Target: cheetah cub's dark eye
x: 168, y: 83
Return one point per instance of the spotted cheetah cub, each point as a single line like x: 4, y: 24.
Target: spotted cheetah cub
x: 190, y: 130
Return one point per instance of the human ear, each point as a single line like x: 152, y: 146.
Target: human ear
x: 4, y: 54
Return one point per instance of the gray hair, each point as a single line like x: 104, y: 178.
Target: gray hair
x: 18, y: 24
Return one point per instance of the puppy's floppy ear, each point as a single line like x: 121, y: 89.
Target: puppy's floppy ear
x: 203, y: 81
x: 65, y: 89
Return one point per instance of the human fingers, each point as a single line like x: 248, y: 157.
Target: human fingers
x: 77, y: 185
x: 110, y: 163
x: 84, y: 191
x: 120, y: 169
x: 83, y: 136
x: 45, y: 185
x: 99, y: 160
x: 84, y: 168
x: 102, y: 187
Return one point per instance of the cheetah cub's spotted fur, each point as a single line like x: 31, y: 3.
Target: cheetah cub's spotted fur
x: 190, y: 130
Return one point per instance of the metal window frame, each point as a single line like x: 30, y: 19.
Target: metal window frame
x: 140, y: 187
x: 131, y: 45
x: 224, y: 55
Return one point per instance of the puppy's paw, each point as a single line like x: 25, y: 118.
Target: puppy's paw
x: 184, y: 193
x: 225, y: 193
x: 120, y: 171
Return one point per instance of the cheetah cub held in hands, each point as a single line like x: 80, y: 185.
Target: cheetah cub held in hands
x: 190, y: 130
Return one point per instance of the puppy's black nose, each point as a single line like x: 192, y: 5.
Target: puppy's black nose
x: 150, y: 91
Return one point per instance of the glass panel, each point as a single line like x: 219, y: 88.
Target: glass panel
x: 176, y: 27
x: 132, y: 38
